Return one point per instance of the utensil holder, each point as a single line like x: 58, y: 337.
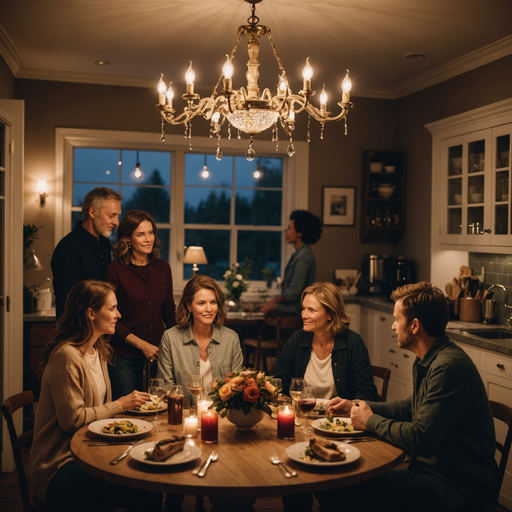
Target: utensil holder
x: 489, y: 311
x: 470, y: 309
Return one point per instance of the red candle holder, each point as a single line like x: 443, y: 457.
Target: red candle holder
x: 209, y: 426
x: 285, y: 422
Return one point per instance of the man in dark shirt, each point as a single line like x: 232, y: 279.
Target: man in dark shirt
x: 452, y: 468
x: 86, y: 252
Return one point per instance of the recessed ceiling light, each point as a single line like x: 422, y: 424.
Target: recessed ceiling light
x: 414, y: 56
x: 102, y: 63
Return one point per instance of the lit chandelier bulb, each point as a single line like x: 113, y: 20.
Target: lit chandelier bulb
x: 307, y: 72
x: 346, y: 87
x: 291, y: 116
x: 190, y: 76
x: 161, y: 90
x: 216, y: 117
x: 323, y: 99
x: 282, y: 86
x: 228, y: 69
x: 170, y: 94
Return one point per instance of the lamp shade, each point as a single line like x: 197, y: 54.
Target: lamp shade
x: 31, y: 262
x: 195, y: 254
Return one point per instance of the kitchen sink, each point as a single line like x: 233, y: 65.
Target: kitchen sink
x: 491, y: 334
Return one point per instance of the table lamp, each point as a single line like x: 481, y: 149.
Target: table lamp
x: 195, y: 255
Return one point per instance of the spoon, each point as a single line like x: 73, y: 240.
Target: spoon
x: 214, y: 457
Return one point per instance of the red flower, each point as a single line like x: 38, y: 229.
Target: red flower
x: 250, y: 382
x: 251, y: 394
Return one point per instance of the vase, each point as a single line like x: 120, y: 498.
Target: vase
x: 233, y: 304
x: 245, y: 421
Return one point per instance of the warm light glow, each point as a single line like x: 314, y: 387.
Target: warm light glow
x: 253, y: 121
x: 161, y: 85
x: 205, y: 173
x: 190, y: 76
x: 307, y: 72
x: 346, y: 85
x: 323, y: 97
x: 291, y: 116
x: 216, y: 117
x: 170, y: 92
x: 137, y: 173
x: 282, y: 85
x: 257, y: 174
x: 42, y: 187
x: 227, y: 69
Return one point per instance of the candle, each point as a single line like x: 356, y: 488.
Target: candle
x: 190, y: 426
x: 202, y: 405
x: 209, y: 426
x: 285, y: 422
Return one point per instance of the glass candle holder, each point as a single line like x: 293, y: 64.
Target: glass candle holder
x: 209, y: 426
x: 175, y: 405
x: 202, y: 405
x: 285, y: 422
x: 190, y: 426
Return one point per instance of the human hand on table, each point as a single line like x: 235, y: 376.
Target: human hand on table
x: 339, y: 406
x: 134, y: 399
x: 359, y: 414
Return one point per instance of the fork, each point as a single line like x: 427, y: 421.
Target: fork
x: 275, y: 460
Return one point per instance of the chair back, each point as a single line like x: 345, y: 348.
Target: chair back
x: 384, y: 374
x: 9, y: 407
x: 503, y: 413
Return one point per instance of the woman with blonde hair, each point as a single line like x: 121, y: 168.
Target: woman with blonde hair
x: 143, y: 285
x: 325, y: 352
x: 199, y: 343
x: 75, y: 391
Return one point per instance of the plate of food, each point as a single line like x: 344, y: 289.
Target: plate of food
x: 337, y: 426
x: 323, y: 452
x: 120, y: 428
x: 166, y: 452
x: 321, y: 406
x: 147, y: 409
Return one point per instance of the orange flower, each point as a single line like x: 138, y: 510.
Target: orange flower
x: 236, y: 381
x: 225, y: 392
x: 269, y: 387
x: 250, y: 382
x: 251, y: 394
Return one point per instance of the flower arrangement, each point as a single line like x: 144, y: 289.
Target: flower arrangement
x: 246, y: 390
x: 236, y: 279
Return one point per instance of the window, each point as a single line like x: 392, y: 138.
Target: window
x: 233, y: 208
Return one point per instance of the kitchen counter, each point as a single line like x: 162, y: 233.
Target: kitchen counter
x: 455, y: 331
x: 40, y: 316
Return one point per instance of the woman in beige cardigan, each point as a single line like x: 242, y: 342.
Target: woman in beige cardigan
x: 75, y: 391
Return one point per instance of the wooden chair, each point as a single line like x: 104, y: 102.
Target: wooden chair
x: 282, y: 328
x: 9, y: 407
x: 384, y: 374
x: 503, y: 413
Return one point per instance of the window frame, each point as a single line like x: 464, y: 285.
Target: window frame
x: 295, y: 181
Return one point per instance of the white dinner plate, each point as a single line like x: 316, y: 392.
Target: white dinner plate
x: 162, y: 406
x: 296, y: 453
x: 316, y: 425
x: 318, y: 402
x: 96, y: 426
x: 188, y: 454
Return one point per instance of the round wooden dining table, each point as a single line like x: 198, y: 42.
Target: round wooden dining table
x: 243, y: 471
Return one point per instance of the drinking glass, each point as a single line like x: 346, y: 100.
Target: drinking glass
x: 157, y: 393
x: 175, y: 399
x: 196, y: 388
x: 307, y: 403
x: 296, y: 389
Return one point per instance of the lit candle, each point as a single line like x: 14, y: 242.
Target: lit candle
x: 307, y: 75
x: 227, y: 71
x: 190, y: 76
x: 161, y: 90
x: 170, y: 95
x: 190, y: 426
x: 202, y: 405
x: 209, y: 426
x: 285, y: 422
x: 323, y: 100
x: 346, y: 87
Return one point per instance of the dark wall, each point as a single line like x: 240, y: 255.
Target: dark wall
x: 6, y: 81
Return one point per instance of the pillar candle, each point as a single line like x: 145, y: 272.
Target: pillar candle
x: 190, y: 426
x: 202, y: 405
x: 285, y: 422
x: 209, y: 426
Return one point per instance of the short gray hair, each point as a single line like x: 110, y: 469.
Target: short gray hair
x: 97, y: 197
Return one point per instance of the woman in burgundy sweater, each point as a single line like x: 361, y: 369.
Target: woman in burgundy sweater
x: 143, y: 284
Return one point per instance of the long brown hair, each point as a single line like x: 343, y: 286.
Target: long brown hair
x: 74, y: 326
x: 199, y: 282
x: 129, y: 224
x: 329, y: 295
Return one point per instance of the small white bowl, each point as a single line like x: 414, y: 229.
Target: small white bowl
x: 385, y: 192
x: 457, y: 198
x: 457, y: 164
x: 376, y: 166
x: 389, y: 168
x: 477, y: 198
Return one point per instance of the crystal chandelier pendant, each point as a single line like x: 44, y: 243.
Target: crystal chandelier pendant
x: 251, y: 154
x: 219, y: 154
x: 290, y: 150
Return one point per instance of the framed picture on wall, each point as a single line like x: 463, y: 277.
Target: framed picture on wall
x: 339, y: 206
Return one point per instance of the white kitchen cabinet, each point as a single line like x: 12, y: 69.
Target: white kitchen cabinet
x: 354, y: 312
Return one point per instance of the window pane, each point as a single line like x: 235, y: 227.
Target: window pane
x: 155, y: 167
x: 263, y: 248
x: 96, y: 165
x: 215, y: 243
x: 207, y: 205
x: 153, y: 200
x: 269, y: 172
x: 164, y: 237
x: 258, y: 207
x: 80, y: 191
x: 221, y: 173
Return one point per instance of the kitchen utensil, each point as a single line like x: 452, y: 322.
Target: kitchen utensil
x: 275, y: 460
x: 489, y: 311
x: 376, y: 166
x: 465, y: 271
x: 107, y: 444
x: 469, y: 309
x: 362, y: 440
x: 119, y: 458
x: 449, y: 290
x: 456, y: 288
x: 214, y: 456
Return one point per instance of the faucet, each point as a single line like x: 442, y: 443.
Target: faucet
x: 506, y: 300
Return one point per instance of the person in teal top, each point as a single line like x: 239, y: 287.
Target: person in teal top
x: 304, y: 229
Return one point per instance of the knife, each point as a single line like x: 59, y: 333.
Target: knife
x: 119, y: 458
x: 107, y: 444
x: 200, y: 468
x: 204, y: 469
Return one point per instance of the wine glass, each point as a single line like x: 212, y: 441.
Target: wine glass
x: 157, y: 393
x: 296, y: 388
x: 196, y: 388
x: 307, y: 403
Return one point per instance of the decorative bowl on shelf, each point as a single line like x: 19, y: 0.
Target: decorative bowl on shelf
x: 385, y: 191
x: 376, y: 166
x: 457, y: 198
x: 389, y: 168
x: 457, y: 165
x: 477, y: 198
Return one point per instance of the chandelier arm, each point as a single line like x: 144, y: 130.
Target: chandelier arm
x: 316, y: 114
x: 239, y: 35
x: 274, y: 49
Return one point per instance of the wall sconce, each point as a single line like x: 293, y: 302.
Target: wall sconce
x: 42, y: 190
x: 195, y: 255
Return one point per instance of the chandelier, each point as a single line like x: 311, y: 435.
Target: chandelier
x: 248, y: 109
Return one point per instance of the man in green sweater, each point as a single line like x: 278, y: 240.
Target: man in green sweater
x: 446, y: 424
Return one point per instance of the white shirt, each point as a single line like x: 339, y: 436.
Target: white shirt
x: 93, y: 361
x: 319, y: 375
x: 206, y: 372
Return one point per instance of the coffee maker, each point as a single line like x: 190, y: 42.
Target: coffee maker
x: 383, y: 273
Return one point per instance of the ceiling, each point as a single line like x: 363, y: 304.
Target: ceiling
x: 62, y: 40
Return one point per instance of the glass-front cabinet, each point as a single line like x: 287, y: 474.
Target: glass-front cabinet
x: 476, y: 188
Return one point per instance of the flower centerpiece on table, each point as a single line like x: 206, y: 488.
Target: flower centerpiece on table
x: 244, y: 390
x: 236, y: 280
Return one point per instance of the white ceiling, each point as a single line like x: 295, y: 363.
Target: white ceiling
x: 62, y: 39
